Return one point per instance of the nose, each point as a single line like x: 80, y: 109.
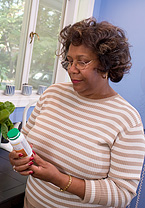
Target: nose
x: 73, y: 68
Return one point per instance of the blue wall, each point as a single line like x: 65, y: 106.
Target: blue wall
x: 130, y: 16
x: 17, y: 115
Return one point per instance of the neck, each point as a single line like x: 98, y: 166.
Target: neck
x: 103, y: 92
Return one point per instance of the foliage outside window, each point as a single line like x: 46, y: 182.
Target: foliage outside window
x: 43, y: 56
x: 11, y: 16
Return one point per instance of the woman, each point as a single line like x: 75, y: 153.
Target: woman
x: 88, y: 142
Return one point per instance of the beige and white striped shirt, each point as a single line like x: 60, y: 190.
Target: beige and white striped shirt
x: 101, y: 141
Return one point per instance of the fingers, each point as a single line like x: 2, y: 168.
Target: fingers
x: 37, y: 170
x: 24, y: 167
x: 26, y: 173
x: 20, y: 163
x: 13, y: 155
x: 39, y: 160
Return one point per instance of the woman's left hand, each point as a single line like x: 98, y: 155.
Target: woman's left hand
x: 44, y: 170
x: 48, y: 172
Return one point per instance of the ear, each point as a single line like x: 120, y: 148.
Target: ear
x: 105, y: 76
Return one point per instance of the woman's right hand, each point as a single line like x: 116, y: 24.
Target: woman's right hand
x: 21, y: 164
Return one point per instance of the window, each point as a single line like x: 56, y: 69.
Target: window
x: 47, y: 27
x: 33, y: 61
x: 17, y: 19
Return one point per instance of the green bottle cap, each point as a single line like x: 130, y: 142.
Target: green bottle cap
x: 13, y: 134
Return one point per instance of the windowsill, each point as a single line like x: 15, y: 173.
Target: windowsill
x: 18, y: 99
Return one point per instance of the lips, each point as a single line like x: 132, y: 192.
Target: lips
x: 75, y: 81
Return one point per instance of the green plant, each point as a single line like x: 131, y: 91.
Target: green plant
x: 6, y: 108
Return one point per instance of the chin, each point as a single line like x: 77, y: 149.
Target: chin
x: 79, y: 91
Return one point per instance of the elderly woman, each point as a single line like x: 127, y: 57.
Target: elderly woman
x: 88, y: 142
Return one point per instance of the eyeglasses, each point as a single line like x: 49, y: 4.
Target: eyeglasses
x: 80, y: 65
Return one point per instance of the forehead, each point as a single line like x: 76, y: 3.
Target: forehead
x: 81, y: 50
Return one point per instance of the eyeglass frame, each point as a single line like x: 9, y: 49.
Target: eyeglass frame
x: 71, y: 63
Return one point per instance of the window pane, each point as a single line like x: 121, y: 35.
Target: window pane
x: 11, y: 16
x: 43, y: 58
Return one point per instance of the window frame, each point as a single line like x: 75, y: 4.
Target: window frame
x: 72, y: 12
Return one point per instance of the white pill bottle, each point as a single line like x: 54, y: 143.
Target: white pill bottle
x: 19, y: 143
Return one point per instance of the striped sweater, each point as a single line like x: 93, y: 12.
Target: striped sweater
x: 100, y: 141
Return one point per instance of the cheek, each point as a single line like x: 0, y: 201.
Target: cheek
x: 91, y: 76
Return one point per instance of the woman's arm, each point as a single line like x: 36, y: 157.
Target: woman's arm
x: 127, y: 156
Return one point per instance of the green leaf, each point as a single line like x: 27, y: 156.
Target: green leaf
x: 9, y: 124
x: 1, y: 106
x: 4, y: 130
x: 4, y: 115
x: 0, y: 130
x: 9, y: 106
x: 6, y: 109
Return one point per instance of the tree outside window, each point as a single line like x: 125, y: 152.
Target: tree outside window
x: 43, y: 57
x: 11, y: 16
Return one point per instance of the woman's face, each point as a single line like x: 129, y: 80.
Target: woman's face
x: 87, y: 82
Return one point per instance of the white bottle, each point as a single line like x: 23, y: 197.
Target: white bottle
x: 19, y: 143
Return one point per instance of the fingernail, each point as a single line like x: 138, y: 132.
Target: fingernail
x: 30, y: 172
x: 34, y: 152
x: 20, y: 155
x: 30, y: 163
x: 31, y: 158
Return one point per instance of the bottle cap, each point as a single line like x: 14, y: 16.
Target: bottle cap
x: 13, y: 134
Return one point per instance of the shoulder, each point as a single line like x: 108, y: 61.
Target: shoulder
x: 57, y: 90
x: 59, y: 87
x: 122, y: 103
x: 127, y: 110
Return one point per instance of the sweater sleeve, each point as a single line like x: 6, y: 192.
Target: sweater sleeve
x: 126, y: 160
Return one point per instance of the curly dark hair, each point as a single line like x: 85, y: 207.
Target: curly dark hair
x: 107, y: 41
